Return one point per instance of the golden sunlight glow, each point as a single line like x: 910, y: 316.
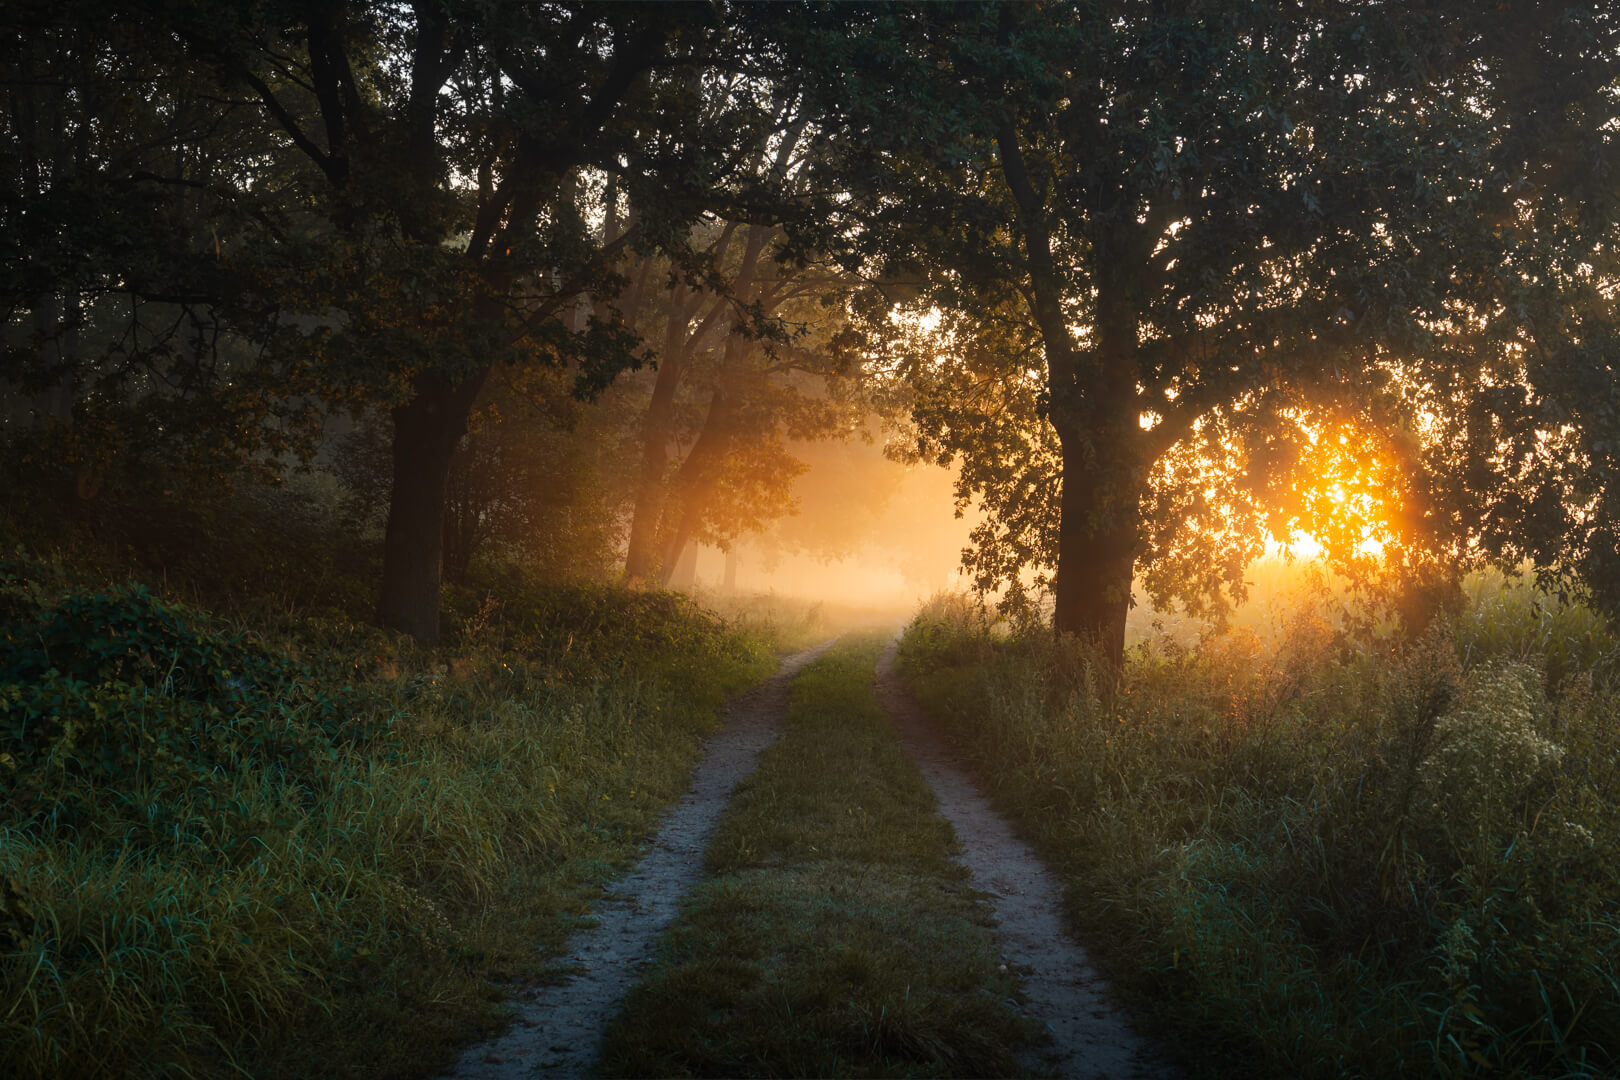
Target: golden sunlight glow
x: 1300, y: 545
x: 1341, y: 499
x: 1327, y: 488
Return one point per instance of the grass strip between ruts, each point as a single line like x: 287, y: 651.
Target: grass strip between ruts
x: 836, y: 936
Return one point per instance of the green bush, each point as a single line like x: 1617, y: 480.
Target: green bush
x: 118, y: 695
x: 1512, y: 617
x: 1480, y: 779
x: 307, y: 849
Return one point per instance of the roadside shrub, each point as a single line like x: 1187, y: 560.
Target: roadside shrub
x: 1318, y: 855
x: 1512, y: 617
x: 296, y: 845
x: 118, y: 695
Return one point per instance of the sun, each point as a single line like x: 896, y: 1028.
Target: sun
x: 1327, y: 488
x: 1340, y: 500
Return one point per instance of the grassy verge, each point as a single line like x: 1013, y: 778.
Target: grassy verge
x: 291, y: 845
x: 1311, y: 858
x: 837, y: 938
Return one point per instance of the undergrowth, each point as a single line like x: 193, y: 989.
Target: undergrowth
x: 837, y: 937
x: 276, y: 841
x: 1317, y: 857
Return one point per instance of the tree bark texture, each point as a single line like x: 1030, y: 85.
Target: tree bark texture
x: 426, y: 430
x: 1105, y: 470
x: 1097, y: 540
x: 640, y: 561
x: 1093, y: 411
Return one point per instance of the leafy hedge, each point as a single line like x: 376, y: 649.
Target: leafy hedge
x: 120, y: 695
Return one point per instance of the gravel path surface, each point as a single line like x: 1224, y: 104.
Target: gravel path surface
x: 1091, y: 1038
x: 558, y: 1030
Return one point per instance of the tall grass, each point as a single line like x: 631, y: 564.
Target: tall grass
x: 305, y: 848
x: 1318, y: 856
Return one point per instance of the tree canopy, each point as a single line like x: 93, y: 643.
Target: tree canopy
x: 1165, y: 279
x: 1167, y: 245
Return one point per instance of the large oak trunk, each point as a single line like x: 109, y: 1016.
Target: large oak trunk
x: 1096, y: 548
x: 1104, y: 478
x: 426, y: 430
x: 1093, y: 410
x: 1095, y: 414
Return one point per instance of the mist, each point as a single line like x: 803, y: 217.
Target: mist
x: 867, y: 533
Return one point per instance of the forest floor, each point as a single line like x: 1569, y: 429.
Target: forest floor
x: 749, y: 915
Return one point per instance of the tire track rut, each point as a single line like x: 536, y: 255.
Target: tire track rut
x: 1091, y: 1037
x: 558, y: 1029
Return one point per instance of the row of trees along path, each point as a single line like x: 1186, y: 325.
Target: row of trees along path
x: 558, y: 1029
x: 1123, y: 262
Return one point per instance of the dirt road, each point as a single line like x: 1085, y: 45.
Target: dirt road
x: 558, y: 1030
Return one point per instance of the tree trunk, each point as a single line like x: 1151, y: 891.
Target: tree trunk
x: 682, y: 342
x: 695, y: 482
x: 426, y: 430
x: 731, y: 569
x: 683, y: 575
x: 1093, y: 408
x: 657, y: 428
x: 1097, y: 541
x: 1105, y: 471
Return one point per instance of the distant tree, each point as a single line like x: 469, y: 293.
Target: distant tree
x: 685, y: 321
x: 454, y: 166
x: 743, y: 369
x: 536, y: 481
x: 127, y: 187
x: 529, y: 483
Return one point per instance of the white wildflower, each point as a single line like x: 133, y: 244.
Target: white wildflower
x: 1488, y: 753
